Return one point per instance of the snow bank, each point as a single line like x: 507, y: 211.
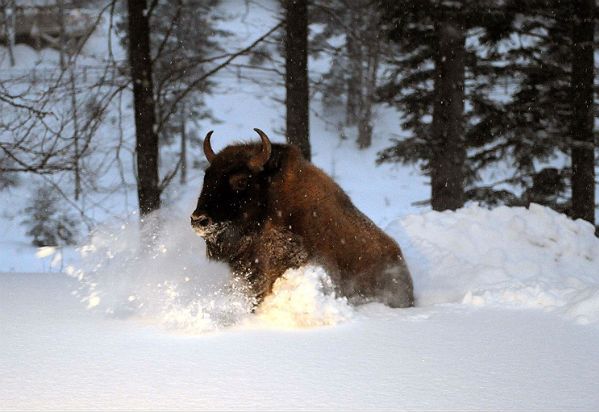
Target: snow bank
x: 166, y: 278
x: 509, y: 257
x: 514, y: 257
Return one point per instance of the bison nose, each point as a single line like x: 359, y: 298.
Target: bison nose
x: 200, y: 219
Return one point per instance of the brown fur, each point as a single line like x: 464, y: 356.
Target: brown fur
x: 299, y: 215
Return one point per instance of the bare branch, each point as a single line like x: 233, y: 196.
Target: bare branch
x: 216, y: 69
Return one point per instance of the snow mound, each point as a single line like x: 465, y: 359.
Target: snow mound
x: 165, y: 277
x: 514, y: 257
x: 303, y: 297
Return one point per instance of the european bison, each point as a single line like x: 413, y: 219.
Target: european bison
x: 264, y: 209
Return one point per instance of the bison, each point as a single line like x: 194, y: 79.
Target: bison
x: 264, y: 209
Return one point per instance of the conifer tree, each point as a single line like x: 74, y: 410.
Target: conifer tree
x: 46, y: 224
x: 520, y: 108
x: 429, y: 86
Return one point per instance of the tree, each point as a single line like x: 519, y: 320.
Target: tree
x: 146, y: 146
x: 364, y: 49
x: 517, y: 87
x: 8, y: 12
x: 548, y: 117
x: 184, y: 55
x: 427, y: 83
x: 183, y: 39
x: 296, y: 78
x: 7, y: 179
x: 36, y: 123
x: 354, y: 70
x: 448, y: 142
x: 583, y: 140
x: 45, y: 223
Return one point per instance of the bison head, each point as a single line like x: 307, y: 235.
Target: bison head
x: 235, y: 188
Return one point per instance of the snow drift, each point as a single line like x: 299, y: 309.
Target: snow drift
x: 509, y: 257
x: 514, y: 257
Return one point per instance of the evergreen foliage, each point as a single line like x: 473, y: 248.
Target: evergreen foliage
x: 518, y: 99
x: 46, y: 224
x: 7, y: 179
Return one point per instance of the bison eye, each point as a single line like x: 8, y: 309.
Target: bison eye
x: 239, y: 182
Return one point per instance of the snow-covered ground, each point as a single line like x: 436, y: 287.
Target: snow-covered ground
x: 507, y: 313
x: 56, y: 355
x: 506, y: 319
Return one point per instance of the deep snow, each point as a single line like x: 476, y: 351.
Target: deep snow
x: 161, y: 333
x: 56, y: 355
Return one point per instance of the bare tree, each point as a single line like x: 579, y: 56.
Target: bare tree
x: 183, y: 150
x: 356, y: 70
x: 44, y: 134
x: 34, y: 124
x: 62, y: 34
x: 356, y: 63
x: 370, y: 58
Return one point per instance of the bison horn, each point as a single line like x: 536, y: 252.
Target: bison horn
x: 259, y: 160
x: 208, y: 148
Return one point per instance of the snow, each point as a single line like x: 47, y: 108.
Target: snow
x: 517, y: 257
x: 303, y: 297
x: 506, y: 318
x: 170, y: 282
x: 56, y: 355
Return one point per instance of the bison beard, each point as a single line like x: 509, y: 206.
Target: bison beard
x: 264, y: 209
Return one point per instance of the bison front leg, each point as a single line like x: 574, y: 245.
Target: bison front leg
x: 277, y: 251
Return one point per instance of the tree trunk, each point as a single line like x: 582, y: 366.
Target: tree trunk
x: 61, y: 34
x: 75, y: 115
x: 583, y: 145
x: 372, y: 66
x: 146, y: 146
x: 9, y: 11
x: 183, y: 152
x: 448, y: 145
x: 354, y: 82
x: 296, y: 81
